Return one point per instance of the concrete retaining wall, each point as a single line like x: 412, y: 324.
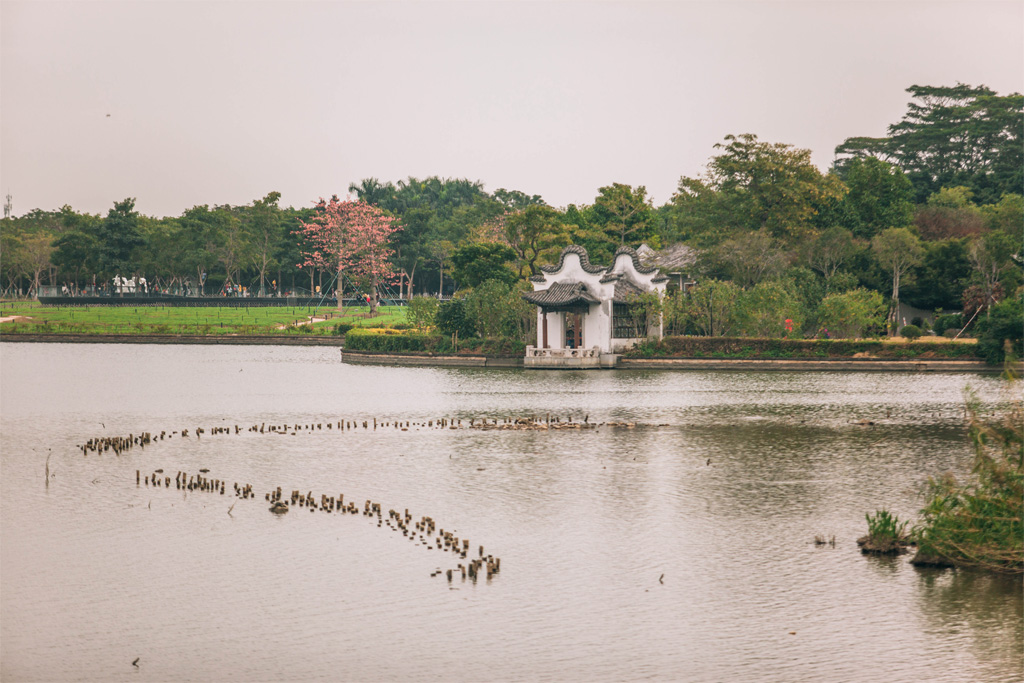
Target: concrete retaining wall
x: 366, y: 358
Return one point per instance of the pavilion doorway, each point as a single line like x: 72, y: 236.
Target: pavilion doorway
x: 573, y: 330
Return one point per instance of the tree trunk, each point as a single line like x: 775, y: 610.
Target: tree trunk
x: 895, y: 318
x: 373, y: 296
x: 341, y: 291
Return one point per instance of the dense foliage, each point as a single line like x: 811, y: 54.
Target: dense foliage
x: 930, y: 216
x: 747, y: 347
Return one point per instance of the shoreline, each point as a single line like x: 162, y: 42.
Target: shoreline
x: 698, y: 364
x: 481, y: 361
x: 238, y: 340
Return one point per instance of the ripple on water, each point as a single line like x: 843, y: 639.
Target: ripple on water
x: 97, y: 571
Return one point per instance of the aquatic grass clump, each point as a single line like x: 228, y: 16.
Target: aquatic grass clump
x: 886, y: 534
x: 978, y: 524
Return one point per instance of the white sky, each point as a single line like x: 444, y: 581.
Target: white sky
x: 222, y: 102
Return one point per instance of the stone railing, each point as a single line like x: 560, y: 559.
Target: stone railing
x: 534, y: 352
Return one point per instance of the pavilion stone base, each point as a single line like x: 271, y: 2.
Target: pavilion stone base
x: 569, y: 359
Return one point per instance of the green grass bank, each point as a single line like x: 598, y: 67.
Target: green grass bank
x: 32, y: 318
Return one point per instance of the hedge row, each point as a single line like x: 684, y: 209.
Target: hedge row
x: 743, y: 347
x: 359, y: 340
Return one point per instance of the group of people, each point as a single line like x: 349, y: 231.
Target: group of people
x: 130, y: 285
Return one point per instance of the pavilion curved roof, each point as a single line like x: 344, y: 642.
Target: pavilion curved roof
x: 584, y: 261
x: 626, y: 291
x: 562, y: 294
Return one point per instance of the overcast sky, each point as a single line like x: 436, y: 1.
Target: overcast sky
x: 185, y: 103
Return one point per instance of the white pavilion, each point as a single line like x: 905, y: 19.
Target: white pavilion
x: 584, y: 316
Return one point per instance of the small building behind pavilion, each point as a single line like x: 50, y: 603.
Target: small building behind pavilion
x: 587, y: 314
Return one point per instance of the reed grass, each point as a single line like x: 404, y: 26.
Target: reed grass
x: 978, y: 523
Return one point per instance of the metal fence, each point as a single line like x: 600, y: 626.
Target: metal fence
x: 138, y: 299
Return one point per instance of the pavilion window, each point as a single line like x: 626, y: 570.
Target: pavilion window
x: 628, y: 322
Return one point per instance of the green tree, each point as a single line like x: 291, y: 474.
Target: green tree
x: 897, y: 250
x: 624, y: 214
x: 514, y: 200
x: 499, y: 311
x: 475, y: 263
x: 12, y: 258
x: 940, y: 279
x: 751, y: 186
x: 76, y: 252
x: 533, y: 232
x: 751, y: 258
x: 118, y: 237
x: 995, y: 270
x: 711, y: 307
x: 764, y: 310
x: 953, y: 135
x: 1003, y: 326
x: 880, y: 196
x: 850, y: 314
x: 372, y: 191
x: 37, y: 248
x: 829, y: 251
x: 234, y: 244
x: 200, y: 233
x: 1007, y: 215
x: 263, y: 225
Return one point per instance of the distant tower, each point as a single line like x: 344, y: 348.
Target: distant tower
x: 7, y: 205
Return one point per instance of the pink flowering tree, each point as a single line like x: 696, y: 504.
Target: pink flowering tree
x: 353, y: 238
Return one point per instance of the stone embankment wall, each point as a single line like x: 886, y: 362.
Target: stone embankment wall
x: 429, y: 360
x: 840, y: 365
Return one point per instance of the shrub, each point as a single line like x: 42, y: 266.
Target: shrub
x: 452, y: 320
x: 382, y: 342
x: 499, y: 311
x: 950, y: 332
x: 365, y: 340
x: 764, y: 310
x: 401, y: 326
x: 342, y: 328
x: 422, y: 311
x: 1002, y: 328
x: 850, y: 314
x: 946, y: 322
x: 911, y: 332
x: 745, y: 347
x: 711, y: 307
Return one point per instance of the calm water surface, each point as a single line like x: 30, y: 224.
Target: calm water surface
x: 97, y: 572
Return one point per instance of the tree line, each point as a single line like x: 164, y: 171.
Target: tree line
x: 931, y: 215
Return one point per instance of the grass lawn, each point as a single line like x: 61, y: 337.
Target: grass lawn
x: 33, y: 317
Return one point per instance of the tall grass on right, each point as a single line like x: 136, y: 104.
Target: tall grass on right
x: 978, y: 524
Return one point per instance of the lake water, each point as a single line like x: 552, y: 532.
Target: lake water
x: 679, y: 549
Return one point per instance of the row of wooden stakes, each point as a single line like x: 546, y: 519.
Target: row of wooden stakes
x: 421, y: 532
x: 195, y: 482
x: 121, y: 444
